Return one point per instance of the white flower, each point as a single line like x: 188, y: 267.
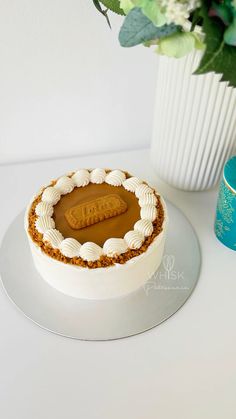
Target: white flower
x: 178, y: 11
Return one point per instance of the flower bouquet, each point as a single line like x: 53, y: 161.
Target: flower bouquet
x: 176, y: 27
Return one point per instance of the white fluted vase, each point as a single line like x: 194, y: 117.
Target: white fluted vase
x: 194, y: 129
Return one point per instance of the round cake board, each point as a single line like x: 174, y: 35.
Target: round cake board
x: 150, y: 305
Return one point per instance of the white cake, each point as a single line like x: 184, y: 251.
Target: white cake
x: 96, y: 234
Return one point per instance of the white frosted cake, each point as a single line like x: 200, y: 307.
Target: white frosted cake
x: 96, y: 234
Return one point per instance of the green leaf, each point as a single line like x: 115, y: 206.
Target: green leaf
x: 196, y: 19
x: 103, y: 12
x: 199, y: 40
x: 177, y: 45
x: 113, y: 5
x: 218, y: 57
x: 152, y: 10
x: 221, y: 11
x: 126, y: 5
x: 97, y: 5
x: 230, y: 34
x: 137, y: 28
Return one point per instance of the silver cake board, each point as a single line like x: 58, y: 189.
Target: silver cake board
x: 150, y: 305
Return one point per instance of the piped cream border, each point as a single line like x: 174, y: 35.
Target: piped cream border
x: 93, y: 251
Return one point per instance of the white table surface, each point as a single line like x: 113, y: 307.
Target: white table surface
x: 184, y: 368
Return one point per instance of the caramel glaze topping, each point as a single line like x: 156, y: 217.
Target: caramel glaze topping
x: 114, y: 227
x: 98, y: 233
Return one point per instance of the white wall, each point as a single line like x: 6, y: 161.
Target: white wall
x: 66, y: 86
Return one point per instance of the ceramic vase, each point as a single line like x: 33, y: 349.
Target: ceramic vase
x: 194, y: 124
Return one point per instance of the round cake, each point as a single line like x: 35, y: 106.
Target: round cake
x: 96, y: 234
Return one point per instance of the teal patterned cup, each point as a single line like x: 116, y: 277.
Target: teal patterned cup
x: 225, y: 222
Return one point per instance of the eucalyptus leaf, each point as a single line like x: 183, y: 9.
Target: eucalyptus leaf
x: 138, y: 28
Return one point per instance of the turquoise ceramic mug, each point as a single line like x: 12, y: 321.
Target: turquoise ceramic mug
x: 225, y: 222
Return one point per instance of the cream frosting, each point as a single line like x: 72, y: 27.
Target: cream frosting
x: 142, y: 189
x: 147, y: 199
x: 64, y: 185
x: 53, y: 237
x: 114, y: 247
x: 115, y: 178
x: 134, y: 239
x: 148, y: 212
x: 70, y: 247
x: 44, y: 223
x: 44, y: 208
x: 100, y: 283
x: 51, y: 195
x: 131, y: 184
x: 81, y: 177
x: 90, y: 251
x: 97, y: 176
x: 144, y: 227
